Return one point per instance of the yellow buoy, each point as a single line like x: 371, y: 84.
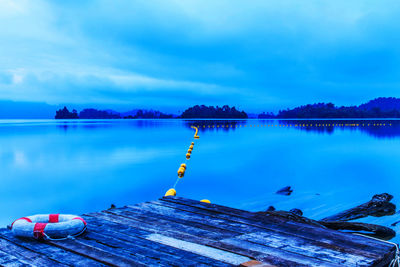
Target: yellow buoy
x: 188, y: 156
x: 191, y: 147
x: 205, y: 201
x: 170, y: 192
x: 181, y: 171
x: 196, y: 137
x: 189, y: 151
x: 183, y: 165
x: 192, y: 144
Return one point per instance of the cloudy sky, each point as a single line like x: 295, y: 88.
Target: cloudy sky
x: 258, y: 55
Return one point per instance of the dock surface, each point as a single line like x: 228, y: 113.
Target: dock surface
x: 174, y: 231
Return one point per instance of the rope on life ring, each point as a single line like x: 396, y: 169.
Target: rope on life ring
x: 49, y: 226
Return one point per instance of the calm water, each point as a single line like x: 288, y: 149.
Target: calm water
x: 81, y: 166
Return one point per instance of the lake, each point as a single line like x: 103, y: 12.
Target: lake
x: 80, y: 166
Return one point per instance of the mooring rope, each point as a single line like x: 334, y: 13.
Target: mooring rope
x: 396, y: 260
x: 47, y: 237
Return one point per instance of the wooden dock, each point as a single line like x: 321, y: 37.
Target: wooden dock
x: 175, y: 231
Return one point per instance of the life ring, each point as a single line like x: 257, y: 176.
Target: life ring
x: 49, y: 226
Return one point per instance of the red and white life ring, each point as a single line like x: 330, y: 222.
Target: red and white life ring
x: 48, y: 226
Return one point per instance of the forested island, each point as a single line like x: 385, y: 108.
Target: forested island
x: 91, y: 113
x: 383, y: 107
x: 193, y: 112
x: 211, y: 112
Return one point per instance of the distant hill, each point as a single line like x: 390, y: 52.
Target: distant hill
x: 383, y: 103
x: 145, y: 114
x: 91, y: 113
x: 25, y: 110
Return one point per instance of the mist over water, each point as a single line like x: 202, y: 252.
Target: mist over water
x: 50, y: 166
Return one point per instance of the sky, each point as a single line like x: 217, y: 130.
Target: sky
x: 256, y: 55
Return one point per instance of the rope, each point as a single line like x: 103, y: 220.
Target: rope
x: 396, y: 260
x: 179, y: 178
x: 186, y: 159
x: 46, y: 237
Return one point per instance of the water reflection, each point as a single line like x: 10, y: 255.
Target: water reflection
x: 375, y: 128
x: 82, y: 166
x: 215, y: 125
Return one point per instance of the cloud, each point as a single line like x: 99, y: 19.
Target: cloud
x: 260, y: 55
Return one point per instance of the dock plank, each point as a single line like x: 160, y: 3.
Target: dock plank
x: 174, y: 231
x: 61, y: 256
x: 365, y: 244
x: 312, y: 235
x: 6, y: 259
x: 310, y: 248
x: 131, y: 236
x: 27, y: 255
x: 284, y: 231
x: 270, y: 255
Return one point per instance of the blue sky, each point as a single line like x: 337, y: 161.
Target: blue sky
x: 258, y: 55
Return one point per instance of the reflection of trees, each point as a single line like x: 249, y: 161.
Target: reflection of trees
x: 376, y: 128
x: 215, y: 125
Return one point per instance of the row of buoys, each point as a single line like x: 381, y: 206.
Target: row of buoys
x: 182, y: 169
x: 295, y: 125
x: 189, y: 152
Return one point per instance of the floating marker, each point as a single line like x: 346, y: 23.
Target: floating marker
x: 197, y: 130
x: 170, y: 192
x: 181, y: 172
x: 188, y: 156
x: 205, y: 201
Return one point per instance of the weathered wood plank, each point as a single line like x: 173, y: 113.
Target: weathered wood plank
x: 304, y: 248
x: 328, y: 236
x: 174, y: 224
x: 149, y: 256
x: 177, y: 219
x: 27, y: 255
x: 135, y: 237
x: 310, y: 248
x: 59, y: 255
x: 98, y: 253
x: 181, y: 232
x: 213, y: 253
x: 10, y: 260
x: 269, y: 255
x: 282, y: 229
x: 141, y: 257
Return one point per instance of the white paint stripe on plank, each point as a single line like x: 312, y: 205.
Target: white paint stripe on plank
x: 213, y: 253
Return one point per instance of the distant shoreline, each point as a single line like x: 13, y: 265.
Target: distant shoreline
x: 382, y: 108
x: 207, y: 119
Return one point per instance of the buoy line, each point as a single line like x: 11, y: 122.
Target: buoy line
x: 182, y: 168
x: 298, y: 125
